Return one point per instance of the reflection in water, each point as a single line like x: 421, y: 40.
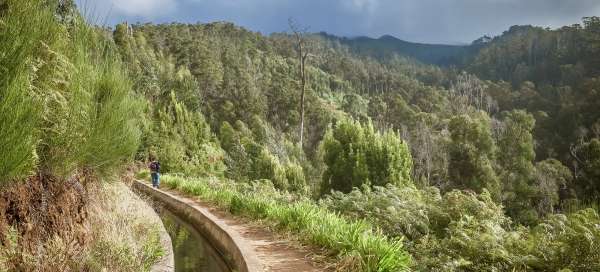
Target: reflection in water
x: 192, y: 251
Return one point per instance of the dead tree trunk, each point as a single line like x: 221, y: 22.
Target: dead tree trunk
x: 300, y: 43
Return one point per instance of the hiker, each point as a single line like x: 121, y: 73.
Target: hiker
x: 155, y: 173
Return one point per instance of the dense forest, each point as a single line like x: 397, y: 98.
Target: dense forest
x: 486, y: 165
x: 489, y: 162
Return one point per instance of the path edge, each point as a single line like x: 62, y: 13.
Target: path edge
x: 167, y: 262
x: 236, y: 254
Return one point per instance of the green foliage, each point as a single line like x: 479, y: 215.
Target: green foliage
x: 472, y: 152
x: 249, y: 160
x: 69, y: 101
x: 454, y: 232
x: 475, y: 237
x: 551, y: 178
x: 183, y: 142
x: 461, y: 231
x: 362, y: 247
x: 93, y: 122
x: 516, y: 142
x: 296, y: 181
x: 398, y: 211
x: 143, y: 175
x: 516, y: 162
x: 23, y: 28
x: 357, y: 155
x: 588, y: 155
x: 567, y: 242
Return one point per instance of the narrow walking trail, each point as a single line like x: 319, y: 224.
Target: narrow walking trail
x: 265, y: 251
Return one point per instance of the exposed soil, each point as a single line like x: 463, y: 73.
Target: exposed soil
x: 274, y: 252
x: 43, y: 207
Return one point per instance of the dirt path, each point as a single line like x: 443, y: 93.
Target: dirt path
x: 272, y: 252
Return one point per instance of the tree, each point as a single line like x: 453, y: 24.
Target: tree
x: 356, y: 155
x: 303, y: 53
x: 587, y: 168
x: 551, y: 178
x: 184, y: 143
x: 469, y: 91
x: 515, y: 161
x: 472, y: 151
x: 592, y: 42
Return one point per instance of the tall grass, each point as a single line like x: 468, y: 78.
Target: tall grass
x: 23, y: 27
x: 357, y: 244
x: 65, y: 100
x: 101, y: 125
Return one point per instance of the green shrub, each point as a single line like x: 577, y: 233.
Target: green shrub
x: 356, y: 154
x: 398, y: 211
x: 23, y: 29
x: 70, y: 101
x: 248, y: 159
x: 567, y: 242
x: 295, y: 178
x: 464, y: 231
x: 183, y: 142
x: 93, y: 121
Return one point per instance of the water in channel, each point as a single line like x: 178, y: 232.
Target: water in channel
x: 193, y: 253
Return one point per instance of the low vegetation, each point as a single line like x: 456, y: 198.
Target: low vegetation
x: 460, y: 231
x: 356, y: 244
x: 125, y: 236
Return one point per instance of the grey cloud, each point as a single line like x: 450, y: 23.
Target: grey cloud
x: 434, y: 21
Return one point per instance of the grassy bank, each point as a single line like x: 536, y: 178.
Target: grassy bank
x: 356, y: 244
x: 126, y: 231
x: 123, y: 235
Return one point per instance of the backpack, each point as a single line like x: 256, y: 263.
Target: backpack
x: 155, y: 166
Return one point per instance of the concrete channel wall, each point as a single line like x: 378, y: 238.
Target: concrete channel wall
x: 238, y: 255
x: 167, y: 263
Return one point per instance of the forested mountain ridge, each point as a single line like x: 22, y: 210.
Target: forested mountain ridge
x: 479, y: 157
x: 387, y: 45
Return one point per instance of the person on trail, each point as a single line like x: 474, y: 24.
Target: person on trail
x: 155, y: 173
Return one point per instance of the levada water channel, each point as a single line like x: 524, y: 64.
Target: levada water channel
x: 192, y: 251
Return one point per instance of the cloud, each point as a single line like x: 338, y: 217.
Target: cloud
x: 147, y: 8
x: 360, y: 5
x: 122, y: 10
x: 414, y: 20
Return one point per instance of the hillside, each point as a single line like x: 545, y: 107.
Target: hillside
x: 386, y: 46
x: 393, y: 142
x: 384, y: 154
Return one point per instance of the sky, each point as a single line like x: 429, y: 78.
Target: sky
x: 429, y: 21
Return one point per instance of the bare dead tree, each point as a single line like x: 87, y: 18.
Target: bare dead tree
x: 299, y: 34
x: 468, y: 91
